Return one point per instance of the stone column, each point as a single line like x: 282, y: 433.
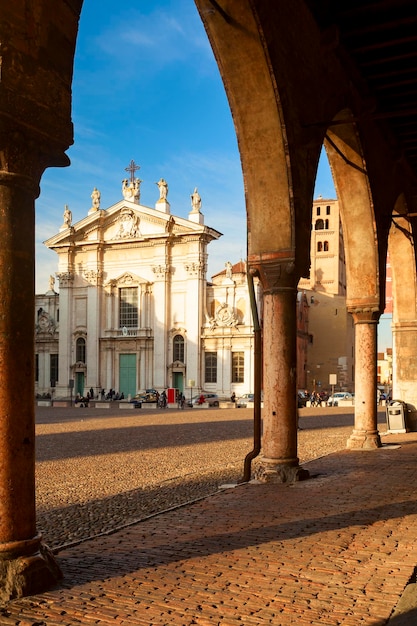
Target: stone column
x: 26, y: 565
x: 365, y: 433
x: 279, y: 462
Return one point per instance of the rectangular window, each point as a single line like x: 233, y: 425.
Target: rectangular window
x: 53, y: 370
x: 318, y: 210
x: 327, y: 210
x: 238, y: 367
x: 211, y: 367
x: 128, y: 307
x: 36, y: 368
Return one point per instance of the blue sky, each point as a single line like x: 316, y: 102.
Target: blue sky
x: 146, y: 87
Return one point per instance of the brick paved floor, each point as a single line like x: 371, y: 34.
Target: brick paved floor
x: 336, y: 549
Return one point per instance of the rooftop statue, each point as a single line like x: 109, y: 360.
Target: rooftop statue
x: 163, y: 189
x: 95, y: 197
x: 196, y: 201
x: 67, y: 216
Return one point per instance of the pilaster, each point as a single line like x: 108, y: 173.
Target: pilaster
x: 94, y: 279
x: 195, y: 273
x: 66, y: 281
x: 159, y: 324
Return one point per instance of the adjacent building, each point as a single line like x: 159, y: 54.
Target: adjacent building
x: 330, y: 327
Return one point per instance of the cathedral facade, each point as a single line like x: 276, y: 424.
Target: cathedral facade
x: 131, y: 298
x: 135, y: 310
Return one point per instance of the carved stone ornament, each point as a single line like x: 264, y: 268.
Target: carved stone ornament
x: 126, y: 279
x: 65, y: 278
x: 46, y: 324
x: 178, y: 331
x: 128, y: 225
x: 93, y: 275
x: 224, y: 316
x: 194, y: 268
x: 160, y: 270
x: 131, y: 190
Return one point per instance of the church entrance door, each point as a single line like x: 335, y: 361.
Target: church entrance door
x: 79, y: 383
x: 127, y: 374
x: 178, y: 381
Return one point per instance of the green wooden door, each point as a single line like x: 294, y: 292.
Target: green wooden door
x: 127, y: 374
x: 79, y: 383
x: 178, y: 380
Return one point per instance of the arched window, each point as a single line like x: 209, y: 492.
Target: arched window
x: 326, y: 246
x: 319, y: 246
x: 80, y: 350
x: 178, y: 348
x: 319, y: 225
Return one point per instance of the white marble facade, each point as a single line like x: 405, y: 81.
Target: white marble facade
x: 134, y: 309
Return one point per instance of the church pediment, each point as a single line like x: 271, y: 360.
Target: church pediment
x: 124, y: 222
x: 127, y: 279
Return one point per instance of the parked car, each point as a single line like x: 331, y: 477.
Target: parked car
x: 212, y: 399
x: 337, y: 397
x: 149, y: 395
x: 243, y: 401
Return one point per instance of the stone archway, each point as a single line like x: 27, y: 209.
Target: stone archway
x: 350, y: 176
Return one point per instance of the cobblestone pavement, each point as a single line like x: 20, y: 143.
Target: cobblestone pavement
x: 336, y: 549
x: 98, y: 472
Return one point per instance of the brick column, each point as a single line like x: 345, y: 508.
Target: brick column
x: 279, y: 462
x: 26, y: 565
x: 365, y: 433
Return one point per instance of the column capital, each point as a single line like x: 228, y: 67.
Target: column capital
x: 25, y: 155
x: 66, y: 279
x: 276, y: 271
x: 365, y: 315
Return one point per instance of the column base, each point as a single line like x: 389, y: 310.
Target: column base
x: 364, y: 440
x: 275, y: 472
x: 26, y: 568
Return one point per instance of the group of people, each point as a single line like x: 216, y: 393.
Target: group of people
x: 162, y: 400
x: 112, y: 395
x: 85, y: 400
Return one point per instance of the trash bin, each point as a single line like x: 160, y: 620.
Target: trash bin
x: 396, y: 416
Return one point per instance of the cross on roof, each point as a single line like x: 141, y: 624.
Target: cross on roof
x: 132, y: 169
